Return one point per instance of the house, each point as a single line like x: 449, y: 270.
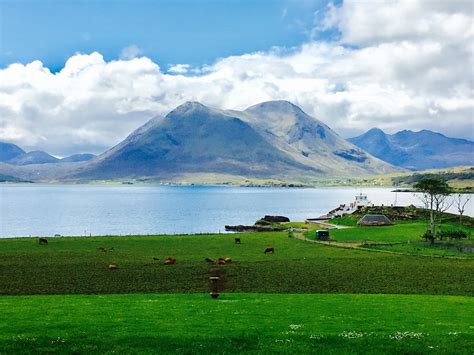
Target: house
x: 374, y: 220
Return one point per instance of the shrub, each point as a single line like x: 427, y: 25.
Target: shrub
x: 427, y: 236
x: 452, y: 234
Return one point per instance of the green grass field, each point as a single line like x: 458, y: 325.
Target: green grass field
x: 255, y: 323
x: 74, y: 266
x: 305, y: 298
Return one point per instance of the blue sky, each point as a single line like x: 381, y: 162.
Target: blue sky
x: 168, y: 32
x: 354, y: 65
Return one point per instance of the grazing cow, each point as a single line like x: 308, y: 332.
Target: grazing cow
x: 170, y: 261
x: 101, y: 249
x: 269, y: 250
x: 237, y: 240
x: 209, y: 260
x: 113, y: 266
x: 43, y: 241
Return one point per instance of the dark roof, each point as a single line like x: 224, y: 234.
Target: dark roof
x: 374, y: 220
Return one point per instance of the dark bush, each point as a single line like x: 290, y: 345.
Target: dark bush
x: 427, y: 236
x: 452, y: 234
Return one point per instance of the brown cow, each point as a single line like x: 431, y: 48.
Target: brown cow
x: 220, y: 262
x: 269, y: 250
x: 43, y: 241
x: 170, y: 261
x: 113, y: 266
x: 237, y: 240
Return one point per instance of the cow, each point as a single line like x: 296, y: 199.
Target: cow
x: 101, y: 249
x: 43, y: 241
x: 228, y: 260
x: 209, y: 260
x: 220, y: 262
x: 112, y: 266
x: 237, y: 240
x: 269, y: 250
x: 170, y: 261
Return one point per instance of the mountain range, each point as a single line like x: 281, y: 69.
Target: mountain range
x: 271, y: 139
x: 416, y: 150
x: 13, y: 154
x: 274, y: 139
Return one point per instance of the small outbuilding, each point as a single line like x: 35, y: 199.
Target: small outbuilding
x: 374, y: 220
x: 322, y: 235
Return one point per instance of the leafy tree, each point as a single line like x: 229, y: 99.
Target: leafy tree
x: 434, y: 195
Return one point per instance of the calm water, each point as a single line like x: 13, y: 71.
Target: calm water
x: 35, y: 209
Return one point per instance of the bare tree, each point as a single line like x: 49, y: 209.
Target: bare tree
x: 461, y: 202
x: 442, y: 203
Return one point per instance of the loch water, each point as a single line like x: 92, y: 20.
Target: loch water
x: 78, y: 210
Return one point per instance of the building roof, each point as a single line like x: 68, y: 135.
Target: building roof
x: 374, y: 220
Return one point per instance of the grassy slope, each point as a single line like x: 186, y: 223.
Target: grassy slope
x: 406, y: 232
x: 72, y: 266
x: 334, y: 324
x: 400, y: 232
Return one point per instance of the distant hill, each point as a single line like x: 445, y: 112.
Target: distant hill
x: 9, y: 151
x: 14, y: 155
x: 77, y: 158
x: 35, y: 157
x: 271, y: 139
x: 416, y: 150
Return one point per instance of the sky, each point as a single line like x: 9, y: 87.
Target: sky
x: 79, y: 76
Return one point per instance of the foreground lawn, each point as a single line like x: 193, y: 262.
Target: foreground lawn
x: 263, y: 323
x: 74, y: 266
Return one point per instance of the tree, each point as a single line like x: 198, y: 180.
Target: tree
x: 442, y: 203
x: 461, y: 202
x: 434, y: 192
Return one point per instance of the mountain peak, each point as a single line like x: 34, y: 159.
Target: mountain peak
x: 375, y: 130
x: 189, y: 108
x: 275, y: 105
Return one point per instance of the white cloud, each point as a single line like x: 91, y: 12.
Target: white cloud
x: 130, y: 52
x: 178, y: 68
x: 413, y: 75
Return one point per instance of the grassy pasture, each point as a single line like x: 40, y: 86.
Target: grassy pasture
x: 74, y: 266
x: 406, y: 233
x: 253, y: 323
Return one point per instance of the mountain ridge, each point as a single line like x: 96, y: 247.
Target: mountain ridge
x: 270, y: 139
x: 420, y: 150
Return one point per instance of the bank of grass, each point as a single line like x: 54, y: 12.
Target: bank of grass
x: 74, y: 266
x: 234, y: 323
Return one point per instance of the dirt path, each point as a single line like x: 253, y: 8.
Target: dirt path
x: 352, y: 245
x: 329, y: 225
x: 358, y: 245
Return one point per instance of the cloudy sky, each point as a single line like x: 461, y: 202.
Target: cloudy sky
x: 79, y: 76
